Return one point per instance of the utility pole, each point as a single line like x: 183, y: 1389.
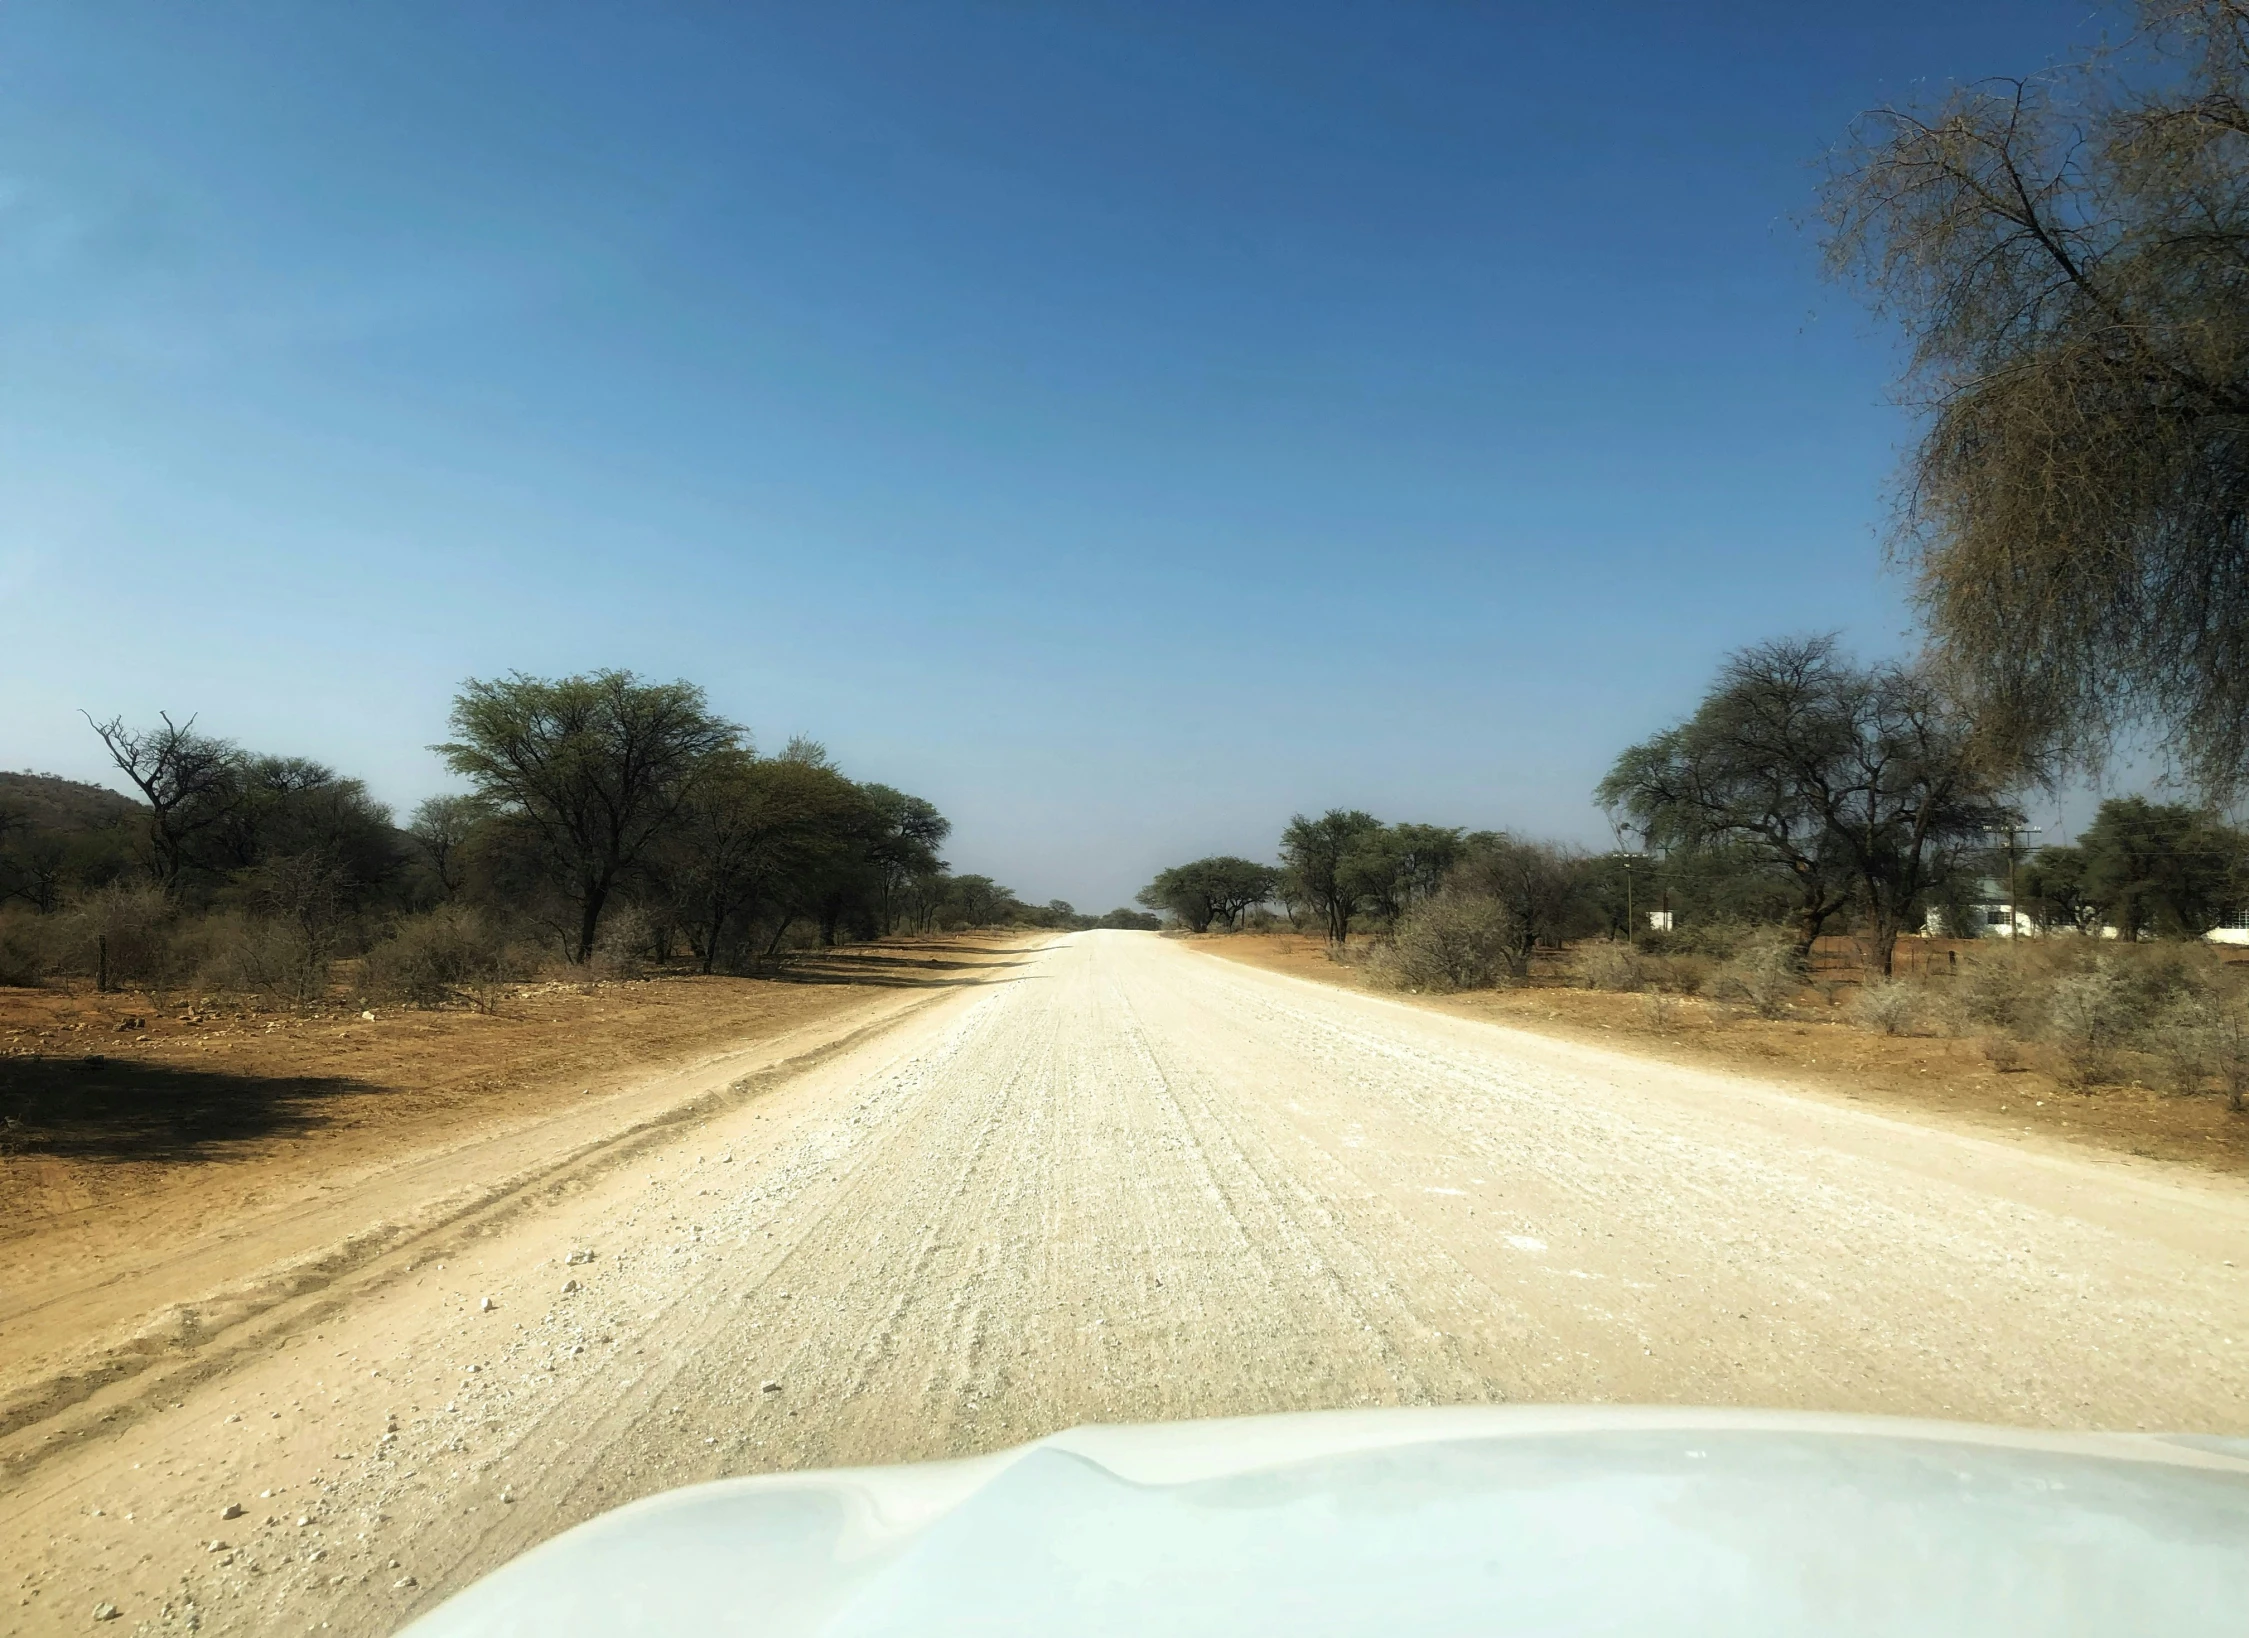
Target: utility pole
x: 1630, y: 931
x: 2014, y: 925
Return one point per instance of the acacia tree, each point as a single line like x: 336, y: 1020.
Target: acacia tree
x: 1856, y: 783
x: 979, y: 901
x: 440, y: 828
x: 2068, y: 257
x: 1208, y: 890
x: 905, y: 834
x: 590, y: 770
x: 1318, y: 855
x: 190, y: 781
x: 755, y: 841
x: 291, y: 807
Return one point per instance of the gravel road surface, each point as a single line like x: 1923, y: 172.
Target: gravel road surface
x: 1127, y: 1180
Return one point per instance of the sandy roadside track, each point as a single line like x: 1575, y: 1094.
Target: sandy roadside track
x: 1129, y: 1181
x: 93, y: 1335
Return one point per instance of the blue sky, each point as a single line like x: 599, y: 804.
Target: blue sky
x: 1122, y: 424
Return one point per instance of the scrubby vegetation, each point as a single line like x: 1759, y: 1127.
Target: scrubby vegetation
x: 610, y: 824
x: 1436, y: 910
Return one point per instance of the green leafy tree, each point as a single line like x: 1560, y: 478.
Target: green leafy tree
x: 1322, y: 858
x: 1860, y: 784
x: 2052, y: 884
x: 979, y: 901
x: 589, y: 770
x: 904, y: 839
x: 2160, y: 869
x: 1210, y: 890
x: 289, y: 807
x: 754, y: 844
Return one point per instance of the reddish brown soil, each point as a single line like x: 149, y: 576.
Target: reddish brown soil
x: 105, y: 1098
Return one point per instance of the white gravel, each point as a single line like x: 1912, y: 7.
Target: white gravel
x: 1133, y: 1181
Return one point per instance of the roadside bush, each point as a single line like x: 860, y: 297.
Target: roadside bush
x: 123, y: 932
x: 2203, y: 1038
x: 26, y: 954
x: 1765, y: 972
x: 1610, y: 966
x: 2004, y: 1053
x: 1687, y: 974
x: 267, y: 954
x: 2157, y: 975
x: 1455, y: 941
x: 1999, y: 988
x: 1889, y: 1006
x: 447, y: 954
x: 2089, y: 1015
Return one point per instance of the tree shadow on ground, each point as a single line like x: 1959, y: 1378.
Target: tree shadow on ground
x: 98, y: 1108
x: 904, y: 969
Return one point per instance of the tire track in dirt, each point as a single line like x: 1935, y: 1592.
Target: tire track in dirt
x: 1132, y: 1182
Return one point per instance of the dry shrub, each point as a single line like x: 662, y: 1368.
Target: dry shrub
x: 271, y: 955
x: 626, y: 945
x: 449, y: 954
x: 1687, y: 974
x: 2203, y: 1038
x: 1609, y: 966
x: 26, y: 951
x: 1658, y: 1009
x: 1455, y: 941
x: 1891, y: 1007
x: 2089, y: 1017
x: 125, y: 932
x: 2003, y: 988
x: 1712, y: 940
x: 2004, y: 1053
x: 1766, y: 972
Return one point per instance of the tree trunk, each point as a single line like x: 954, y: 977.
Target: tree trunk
x: 1885, y: 941
x: 1811, y: 921
x: 589, y: 920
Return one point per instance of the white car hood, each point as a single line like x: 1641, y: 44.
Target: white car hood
x: 1547, y: 1520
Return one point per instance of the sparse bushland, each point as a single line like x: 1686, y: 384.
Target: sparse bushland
x: 615, y: 826
x: 2091, y: 1012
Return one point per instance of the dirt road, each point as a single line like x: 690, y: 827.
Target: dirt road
x: 1126, y: 1180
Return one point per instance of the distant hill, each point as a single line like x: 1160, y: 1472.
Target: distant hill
x: 52, y: 803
